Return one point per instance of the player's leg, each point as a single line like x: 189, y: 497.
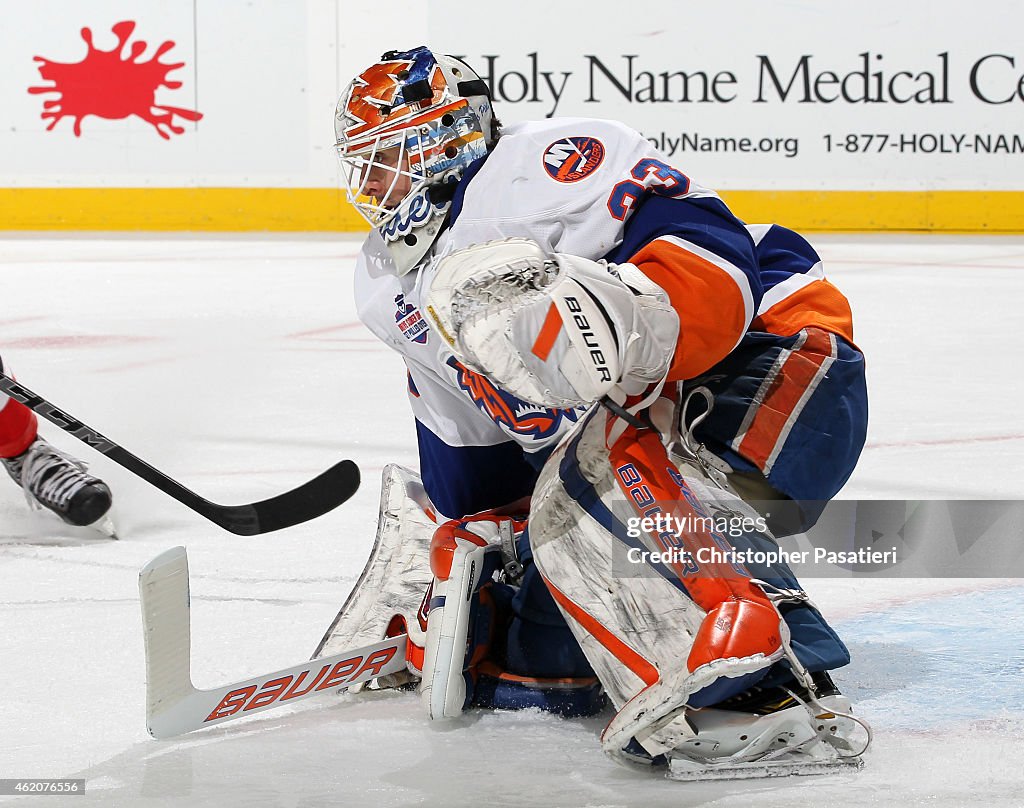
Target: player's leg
x: 789, y: 417
x: 667, y: 636
x: 18, y: 425
x: 50, y: 478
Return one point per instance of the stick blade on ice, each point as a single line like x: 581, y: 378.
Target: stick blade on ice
x: 164, y: 595
x: 310, y: 500
x: 173, y: 704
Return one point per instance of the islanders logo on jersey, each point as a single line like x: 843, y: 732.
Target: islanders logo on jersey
x: 572, y: 159
x: 410, y: 322
x: 516, y: 415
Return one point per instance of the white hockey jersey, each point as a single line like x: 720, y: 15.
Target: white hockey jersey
x: 587, y: 187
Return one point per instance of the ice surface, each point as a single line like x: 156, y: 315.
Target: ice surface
x: 236, y: 365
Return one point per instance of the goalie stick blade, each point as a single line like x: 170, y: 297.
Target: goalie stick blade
x: 175, y: 706
x: 164, y: 596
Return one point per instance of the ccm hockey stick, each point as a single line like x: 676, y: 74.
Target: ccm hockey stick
x: 174, y: 706
x: 308, y: 501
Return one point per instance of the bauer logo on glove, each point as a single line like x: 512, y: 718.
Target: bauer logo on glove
x: 558, y: 330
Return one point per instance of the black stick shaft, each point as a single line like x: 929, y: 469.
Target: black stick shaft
x: 312, y: 499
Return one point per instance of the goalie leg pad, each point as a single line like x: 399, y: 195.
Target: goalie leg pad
x: 386, y: 598
x: 658, y: 637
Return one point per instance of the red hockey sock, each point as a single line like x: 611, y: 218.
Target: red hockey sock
x: 18, y: 427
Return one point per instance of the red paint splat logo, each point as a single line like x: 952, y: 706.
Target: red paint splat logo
x: 110, y: 85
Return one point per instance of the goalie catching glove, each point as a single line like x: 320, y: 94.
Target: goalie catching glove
x: 555, y: 330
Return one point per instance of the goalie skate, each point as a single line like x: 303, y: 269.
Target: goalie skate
x: 818, y: 737
x: 771, y: 732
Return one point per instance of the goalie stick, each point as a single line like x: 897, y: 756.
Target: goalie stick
x: 308, y: 501
x: 175, y: 706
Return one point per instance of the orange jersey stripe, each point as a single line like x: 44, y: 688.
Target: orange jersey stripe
x: 548, y: 334
x: 710, y: 305
x: 777, y: 406
x: 818, y: 304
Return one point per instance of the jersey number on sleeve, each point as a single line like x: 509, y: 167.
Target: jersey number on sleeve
x: 648, y: 175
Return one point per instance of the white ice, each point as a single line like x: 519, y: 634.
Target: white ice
x: 236, y: 366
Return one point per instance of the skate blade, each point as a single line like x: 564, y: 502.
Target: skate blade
x: 690, y: 771
x: 105, y: 526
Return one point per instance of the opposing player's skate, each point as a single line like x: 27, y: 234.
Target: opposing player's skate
x: 61, y: 484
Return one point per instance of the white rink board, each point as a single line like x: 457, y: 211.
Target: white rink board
x: 266, y: 77
x: 773, y: 74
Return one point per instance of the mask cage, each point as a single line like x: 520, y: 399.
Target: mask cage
x: 430, y: 147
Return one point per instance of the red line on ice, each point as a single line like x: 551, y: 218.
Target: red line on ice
x: 65, y: 341
x: 325, y: 330
x: 942, y: 442
x: 19, y: 320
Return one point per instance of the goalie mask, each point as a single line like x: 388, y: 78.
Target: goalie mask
x: 407, y: 128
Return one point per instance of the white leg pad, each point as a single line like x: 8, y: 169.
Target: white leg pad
x: 636, y: 630
x: 397, y: 572
x: 653, y: 620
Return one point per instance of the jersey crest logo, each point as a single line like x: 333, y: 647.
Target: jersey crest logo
x: 410, y: 322
x: 572, y: 159
x: 516, y: 415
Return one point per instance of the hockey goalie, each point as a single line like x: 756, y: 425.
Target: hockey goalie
x: 618, y: 386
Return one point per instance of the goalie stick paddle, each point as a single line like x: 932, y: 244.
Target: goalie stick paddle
x: 175, y: 706
x: 308, y: 501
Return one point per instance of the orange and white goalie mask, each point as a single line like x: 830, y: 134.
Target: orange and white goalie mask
x: 407, y: 128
